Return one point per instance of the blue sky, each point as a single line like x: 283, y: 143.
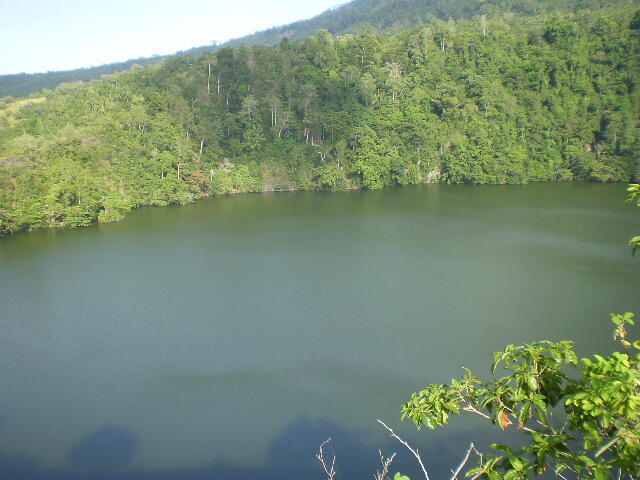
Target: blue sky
x: 42, y: 35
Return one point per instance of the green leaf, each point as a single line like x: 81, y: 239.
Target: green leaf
x: 600, y: 474
x: 510, y: 475
x: 501, y: 447
x: 617, y: 319
x: 628, y: 317
x: 474, y: 471
x: 516, y: 462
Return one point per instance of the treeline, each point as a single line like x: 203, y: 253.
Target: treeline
x: 377, y: 16
x: 20, y: 84
x: 491, y: 99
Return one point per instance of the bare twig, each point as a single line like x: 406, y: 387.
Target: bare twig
x: 413, y: 451
x: 330, y: 471
x: 471, y: 448
x: 471, y: 408
x: 386, y: 463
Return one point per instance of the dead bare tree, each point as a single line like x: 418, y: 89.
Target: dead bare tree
x: 416, y: 453
x: 386, y: 463
x: 329, y: 470
x: 412, y: 450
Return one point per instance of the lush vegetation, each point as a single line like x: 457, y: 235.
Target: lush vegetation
x: 490, y: 99
x: 584, y: 426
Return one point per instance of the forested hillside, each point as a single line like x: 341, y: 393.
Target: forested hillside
x: 357, y: 16
x: 489, y: 99
x: 376, y: 16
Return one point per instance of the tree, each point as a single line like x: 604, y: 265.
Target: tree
x: 600, y: 434
x: 250, y: 105
x: 394, y: 78
x: 330, y: 177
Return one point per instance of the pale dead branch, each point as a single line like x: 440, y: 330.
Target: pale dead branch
x: 386, y: 463
x: 472, y: 409
x: 464, y: 461
x: 412, y: 450
x: 329, y: 470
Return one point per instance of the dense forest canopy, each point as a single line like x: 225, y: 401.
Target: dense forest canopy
x: 495, y: 98
x: 357, y: 16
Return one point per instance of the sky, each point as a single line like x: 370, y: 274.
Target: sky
x: 44, y: 35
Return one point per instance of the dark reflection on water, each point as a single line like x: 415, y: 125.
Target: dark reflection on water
x: 106, y: 449
x: 107, y: 454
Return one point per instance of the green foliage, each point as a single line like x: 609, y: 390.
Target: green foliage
x: 599, y: 432
x: 330, y: 177
x: 235, y: 179
x: 540, y: 97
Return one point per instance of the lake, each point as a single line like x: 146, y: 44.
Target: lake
x: 228, y: 338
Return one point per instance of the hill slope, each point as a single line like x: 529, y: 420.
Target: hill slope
x: 21, y: 84
x: 480, y: 100
x: 376, y: 16
x: 357, y: 16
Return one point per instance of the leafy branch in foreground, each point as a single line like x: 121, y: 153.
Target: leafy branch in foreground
x: 597, y: 429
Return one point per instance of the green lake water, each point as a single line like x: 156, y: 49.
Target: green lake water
x: 228, y: 338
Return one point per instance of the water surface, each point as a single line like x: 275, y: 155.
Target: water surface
x: 229, y: 337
